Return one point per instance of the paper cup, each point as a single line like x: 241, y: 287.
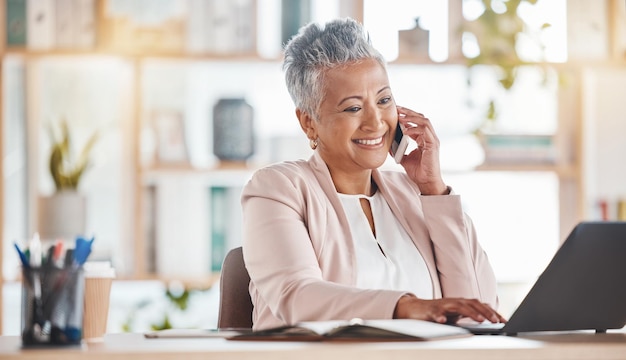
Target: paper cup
x: 99, y: 276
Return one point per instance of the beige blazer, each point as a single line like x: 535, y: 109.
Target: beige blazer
x: 299, y: 252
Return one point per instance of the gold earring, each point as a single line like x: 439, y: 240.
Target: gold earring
x: 313, y: 144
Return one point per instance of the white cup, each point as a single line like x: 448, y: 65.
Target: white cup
x: 99, y: 276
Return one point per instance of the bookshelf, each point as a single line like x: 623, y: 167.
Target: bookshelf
x: 145, y: 66
x: 99, y: 33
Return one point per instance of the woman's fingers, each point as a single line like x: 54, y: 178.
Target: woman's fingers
x: 417, y: 126
x: 478, y: 311
x: 448, y: 310
x: 408, y: 117
x: 407, y: 111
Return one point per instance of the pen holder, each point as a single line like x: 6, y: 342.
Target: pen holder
x: 52, y: 306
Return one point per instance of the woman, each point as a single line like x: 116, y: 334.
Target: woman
x: 336, y: 238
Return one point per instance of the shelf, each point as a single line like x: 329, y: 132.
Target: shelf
x: 195, y: 283
x: 221, y: 166
x: 578, y: 64
x: 570, y: 64
x: 565, y: 171
x: 137, y: 54
x: 425, y: 60
x: 220, y: 176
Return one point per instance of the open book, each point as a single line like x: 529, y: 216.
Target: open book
x: 358, y: 330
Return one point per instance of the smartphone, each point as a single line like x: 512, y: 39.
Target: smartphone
x: 399, y: 144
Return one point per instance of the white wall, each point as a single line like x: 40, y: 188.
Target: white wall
x: 604, y: 138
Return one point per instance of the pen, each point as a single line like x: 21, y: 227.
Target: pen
x: 69, y: 258
x: 23, y: 257
x: 48, y: 261
x: 82, y: 249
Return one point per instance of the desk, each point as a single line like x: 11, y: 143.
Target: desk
x: 579, y: 345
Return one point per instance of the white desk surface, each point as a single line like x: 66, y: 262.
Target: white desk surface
x: 577, y: 345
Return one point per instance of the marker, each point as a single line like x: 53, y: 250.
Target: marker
x: 35, y: 263
x: 35, y: 251
x: 58, y: 253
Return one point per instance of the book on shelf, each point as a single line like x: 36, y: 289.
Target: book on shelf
x: 519, y: 149
x: 189, y: 221
x: 137, y: 26
x: 219, y: 226
x: 149, y: 225
x: 225, y: 222
x: 40, y: 25
x: 15, y: 22
x: 294, y: 14
x: 221, y: 27
x: 587, y: 30
x: 84, y: 24
x: 358, y: 330
x: 64, y: 24
x: 60, y: 24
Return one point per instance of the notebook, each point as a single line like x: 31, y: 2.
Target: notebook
x: 582, y: 288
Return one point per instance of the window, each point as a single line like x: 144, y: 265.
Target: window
x: 516, y: 212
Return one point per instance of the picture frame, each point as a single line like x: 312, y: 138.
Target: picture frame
x: 171, y: 144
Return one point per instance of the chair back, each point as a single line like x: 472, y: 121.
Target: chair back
x: 235, y: 309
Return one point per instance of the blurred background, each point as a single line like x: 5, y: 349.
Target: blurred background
x: 169, y: 106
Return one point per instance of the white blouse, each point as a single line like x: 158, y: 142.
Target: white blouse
x: 390, y: 260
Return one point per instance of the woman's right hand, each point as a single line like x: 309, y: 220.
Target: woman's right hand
x: 445, y: 311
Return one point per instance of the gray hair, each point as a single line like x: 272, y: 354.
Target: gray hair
x: 316, y: 49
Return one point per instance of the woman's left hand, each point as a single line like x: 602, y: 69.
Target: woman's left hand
x: 422, y: 164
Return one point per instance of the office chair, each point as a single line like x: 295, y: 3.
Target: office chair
x: 235, y: 309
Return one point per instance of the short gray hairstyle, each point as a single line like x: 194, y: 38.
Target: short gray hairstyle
x: 317, y: 48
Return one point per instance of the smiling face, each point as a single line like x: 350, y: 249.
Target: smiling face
x: 357, y: 118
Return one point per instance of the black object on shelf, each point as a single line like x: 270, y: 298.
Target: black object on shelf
x: 233, y: 129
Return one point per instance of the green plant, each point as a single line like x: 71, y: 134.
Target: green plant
x: 177, y: 300
x: 65, y: 169
x: 497, y: 31
x: 180, y: 302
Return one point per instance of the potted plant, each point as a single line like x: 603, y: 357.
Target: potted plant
x: 63, y: 214
x: 497, y: 31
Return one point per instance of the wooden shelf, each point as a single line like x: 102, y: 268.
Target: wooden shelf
x: 214, y: 176
x: 566, y: 171
x: 570, y: 64
x: 221, y: 166
x: 425, y: 60
x: 183, y: 56
x: 191, y: 283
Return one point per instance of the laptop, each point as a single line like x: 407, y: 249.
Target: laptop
x: 582, y: 288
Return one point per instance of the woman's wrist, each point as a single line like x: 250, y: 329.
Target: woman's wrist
x: 440, y: 189
x: 401, y: 306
